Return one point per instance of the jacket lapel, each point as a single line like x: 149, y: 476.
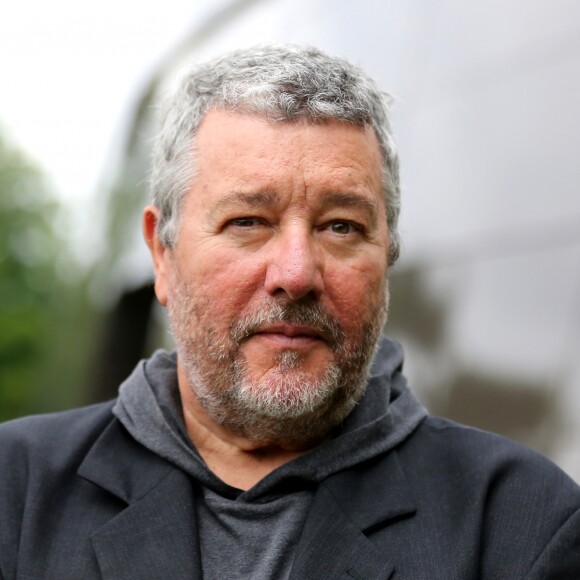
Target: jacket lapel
x: 348, y: 508
x: 155, y: 535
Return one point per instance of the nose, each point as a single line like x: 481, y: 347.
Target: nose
x: 294, y: 266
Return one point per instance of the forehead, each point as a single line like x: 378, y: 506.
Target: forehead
x: 240, y: 150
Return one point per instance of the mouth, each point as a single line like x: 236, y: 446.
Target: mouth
x: 290, y: 335
x: 293, y: 325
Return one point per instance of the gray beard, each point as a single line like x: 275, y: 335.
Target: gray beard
x: 289, y: 407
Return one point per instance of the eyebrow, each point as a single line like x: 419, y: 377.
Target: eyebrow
x: 235, y: 199
x: 255, y: 200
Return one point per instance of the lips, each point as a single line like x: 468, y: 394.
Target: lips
x: 291, y: 331
x: 297, y: 323
x: 290, y: 336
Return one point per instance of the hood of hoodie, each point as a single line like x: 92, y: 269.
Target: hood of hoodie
x: 149, y: 407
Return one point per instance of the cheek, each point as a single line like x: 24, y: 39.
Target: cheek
x: 357, y: 291
x: 226, y: 284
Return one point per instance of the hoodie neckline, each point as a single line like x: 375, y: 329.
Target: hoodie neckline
x: 149, y: 407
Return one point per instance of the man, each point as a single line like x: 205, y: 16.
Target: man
x: 268, y: 447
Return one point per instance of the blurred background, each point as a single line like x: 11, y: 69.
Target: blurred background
x: 486, y: 296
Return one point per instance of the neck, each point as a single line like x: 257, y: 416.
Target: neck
x: 235, y: 459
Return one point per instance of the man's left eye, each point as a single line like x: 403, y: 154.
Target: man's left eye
x: 343, y: 227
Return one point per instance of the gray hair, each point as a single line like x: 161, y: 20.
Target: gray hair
x: 279, y: 83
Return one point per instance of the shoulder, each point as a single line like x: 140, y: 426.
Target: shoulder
x: 468, y: 453
x: 518, y: 498
x: 38, y: 456
x: 40, y: 439
x: 57, y: 424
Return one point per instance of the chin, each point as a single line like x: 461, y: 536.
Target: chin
x: 296, y: 427
x: 290, y: 407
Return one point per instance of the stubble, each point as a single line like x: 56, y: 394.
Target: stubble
x: 288, y: 406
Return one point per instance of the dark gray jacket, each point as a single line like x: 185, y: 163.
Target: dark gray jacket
x: 81, y: 499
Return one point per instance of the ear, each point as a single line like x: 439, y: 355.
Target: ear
x: 159, y: 253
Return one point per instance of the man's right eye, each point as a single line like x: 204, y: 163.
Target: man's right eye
x: 245, y: 222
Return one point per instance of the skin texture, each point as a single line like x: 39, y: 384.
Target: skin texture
x: 278, y: 215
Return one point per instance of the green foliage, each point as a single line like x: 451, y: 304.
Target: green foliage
x: 35, y: 305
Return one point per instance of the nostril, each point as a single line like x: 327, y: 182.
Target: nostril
x: 295, y: 282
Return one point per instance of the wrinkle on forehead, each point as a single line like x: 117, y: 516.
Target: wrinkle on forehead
x: 331, y: 164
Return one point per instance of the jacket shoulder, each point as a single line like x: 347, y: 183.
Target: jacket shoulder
x: 38, y: 456
x: 446, y: 451
x: 479, y: 452
x: 49, y: 435
x: 38, y: 447
x: 527, y: 508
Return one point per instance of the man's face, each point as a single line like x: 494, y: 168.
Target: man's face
x: 276, y: 287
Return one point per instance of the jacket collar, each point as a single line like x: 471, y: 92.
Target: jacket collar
x: 347, y: 509
x: 158, y: 517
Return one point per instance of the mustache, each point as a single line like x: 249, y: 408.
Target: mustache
x: 307, y: 314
